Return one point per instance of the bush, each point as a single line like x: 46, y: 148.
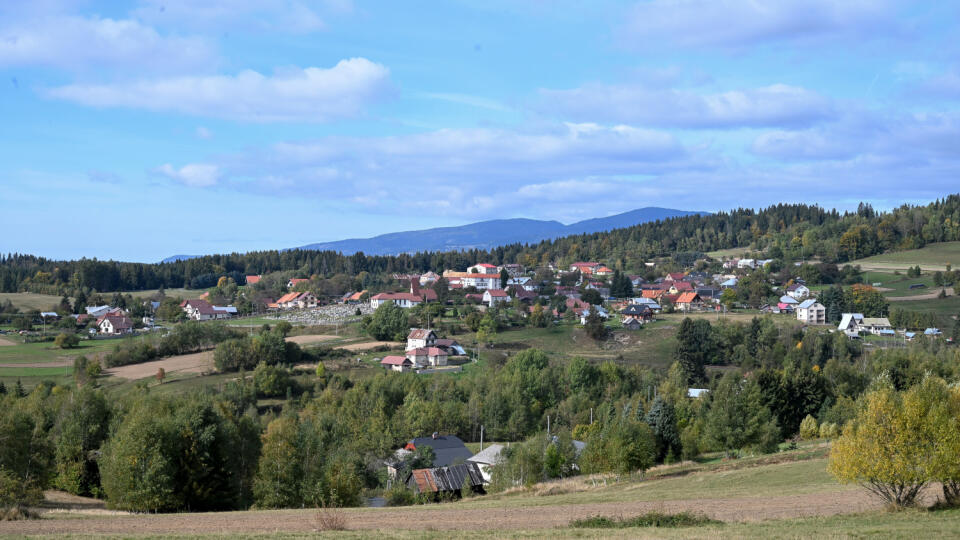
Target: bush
x: 66, y: 340
x: 650, y: 519
x: 809, y: 429
x: 400, y: 495
x: 271, y: 381
x: 829, y: 430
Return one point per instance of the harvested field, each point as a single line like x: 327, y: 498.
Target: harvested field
x: 367, y: 345
x: 308, y: 339
x: 464, y: 516
x: 190, y: 363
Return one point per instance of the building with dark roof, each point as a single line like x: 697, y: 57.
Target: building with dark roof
x: 447, y: 449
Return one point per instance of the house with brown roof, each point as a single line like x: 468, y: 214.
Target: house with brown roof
x: 421, y: 337
x: 415, y: 297
x: 674, y: 276
x: 492, y: 297
x: 114, y: 324
x: 296, y: 281
x: 427, y: 356
x: 689, y: 301
x: 253, y: 280
x: 677, y: 287
x: 397, y: 363
x: 584, y: 267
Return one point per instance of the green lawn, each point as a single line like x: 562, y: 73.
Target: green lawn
x: 943, y: 308
x: 25, y: 353
x: 931, y: 257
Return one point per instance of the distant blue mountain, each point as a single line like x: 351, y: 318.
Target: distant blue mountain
x: 490, y: 234
x: 176, y: 258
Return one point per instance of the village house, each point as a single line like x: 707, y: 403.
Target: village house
x: 447, y: 449
x: 677, y: 287
x: 634, y: 315
x: 483, y: 268
x: 637, y: 281
x: 602, y: 313
x: 523, y: 281
x: 810, y: 311
x: 114, y: 324
x: 877, y: 325
x: 689, y: 301
x: 296, y: 281
x: 479, y: 280
x: 429, y: 278
x: 448, y: 480
x: 486, y: 459
x: 648, y: 302
x: 492, y: 297
x: 674, y: 276
x: 787, y: 304
x: 397, y: 363
x: 850, y: 324
x: 585, y: 268
x: 513, y: 269
x: 415, y: 297
x: 421, y: 337
x: 97, y: 311
x: 201, y: 310
x: 297, y: 300
x: 253, y: 280
x: 798, y: 291
x: 427, y: 356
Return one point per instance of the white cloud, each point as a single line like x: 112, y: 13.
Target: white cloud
x: 774, y: 105
x: 193, y: 175
x: 75, y: 42
x: 738, y: 23
x: 292, y: 95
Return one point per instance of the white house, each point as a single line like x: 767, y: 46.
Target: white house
x: 421, y: 337
x: 850, y: 324
x: 97, y: 311
x: 798, y: 291
x: 811, y: 312
x: 747, y: 263
x: 424, y: 356
x: 877, y: 325
x: 483, y: 268
x: 115, y: 324
x: 492, y: 297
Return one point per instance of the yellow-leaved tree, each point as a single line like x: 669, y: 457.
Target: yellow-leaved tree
x: 900, y: 442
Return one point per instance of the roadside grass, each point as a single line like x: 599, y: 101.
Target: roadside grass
x: 931, y: 257
x: 26, y: 301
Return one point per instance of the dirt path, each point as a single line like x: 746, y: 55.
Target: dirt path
x: 453, y: 516
x: 928, y: 296
x: 4, y: 342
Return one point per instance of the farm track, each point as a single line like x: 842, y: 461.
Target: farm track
x: 928, y: 296
x: 465, y: 516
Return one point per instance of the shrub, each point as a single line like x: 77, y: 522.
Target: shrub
x: 66, y: 340
x: 650, y: 519
x: 829, y: 430
x: 809, y: 429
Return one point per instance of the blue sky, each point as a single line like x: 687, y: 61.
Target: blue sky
x: 137, y: 130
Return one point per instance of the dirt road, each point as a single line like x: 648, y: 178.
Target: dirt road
x: 928, y: 296
x: 4, y: 342
x: 311, y: 338
x: 467, y: 516
x: 366, y: 346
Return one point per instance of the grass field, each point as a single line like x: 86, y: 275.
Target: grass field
x: 786, y: 495
x: 29, y: 301
x: 931, y: 257
x: 729, y: 253
x: 900, y: 285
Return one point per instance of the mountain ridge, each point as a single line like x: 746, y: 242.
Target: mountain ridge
x: 484, y: 234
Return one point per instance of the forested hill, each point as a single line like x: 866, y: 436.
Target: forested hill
x: 790, y: 231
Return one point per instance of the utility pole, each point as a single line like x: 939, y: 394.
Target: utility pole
x: 481, y: 437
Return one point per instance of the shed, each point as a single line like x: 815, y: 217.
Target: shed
x: 447, y: 479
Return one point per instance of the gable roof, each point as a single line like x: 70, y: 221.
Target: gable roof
x: 488, y: 456
x: 687, y: 297
x: 421, y: 333
x: 806, y: 304
x: 395, y: 361
x: 446, y: 448
x: 636, y: 309
x: 446, y: 478
x: 497, y: 293
x: 253, y: 279
x: 289, y: 297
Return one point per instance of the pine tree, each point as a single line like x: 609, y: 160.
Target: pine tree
x: 3, y: 389
x: 18, y: 390
x: 663, y: 421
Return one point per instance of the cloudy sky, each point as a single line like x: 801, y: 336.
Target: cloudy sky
x: 137, y: 130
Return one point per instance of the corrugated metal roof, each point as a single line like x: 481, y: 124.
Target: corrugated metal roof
x: 449, y: 478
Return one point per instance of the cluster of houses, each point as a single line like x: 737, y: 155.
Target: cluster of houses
x: 424, y: 350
